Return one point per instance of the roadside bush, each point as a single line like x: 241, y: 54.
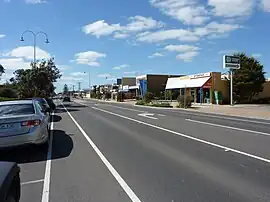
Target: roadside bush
x: 107, y: 95
x: 98, y: 95
x: 181, y: 101
x: 93, y: 94
x: 8, y: 93
x: 2, y: 99
x: 141, y: 102
x: 148, y: 97
x: 120, y: 97
x: 162, y: 104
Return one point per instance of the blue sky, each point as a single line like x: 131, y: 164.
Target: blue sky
x: 111, y: 39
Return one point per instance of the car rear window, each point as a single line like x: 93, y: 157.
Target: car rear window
x: 16, y: 109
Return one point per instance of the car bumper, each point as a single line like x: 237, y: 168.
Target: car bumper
x: 35, y: 137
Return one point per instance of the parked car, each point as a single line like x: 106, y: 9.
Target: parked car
x: 23, y: 122
x: 10, y: 186
x: 66, y: 99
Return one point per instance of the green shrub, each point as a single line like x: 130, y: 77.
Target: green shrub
x: 98, y: 95
x: 181, y: 101
x: 141, y: 102
x: 162, y: 104
x: 107, y: 95
x: 8, y: 93
x: 148, y: 97
x: 120, y: 97
x: 2, y: 99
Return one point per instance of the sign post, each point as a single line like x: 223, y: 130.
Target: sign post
x: 231, y: 62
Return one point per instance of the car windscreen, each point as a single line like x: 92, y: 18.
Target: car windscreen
x: 16, y: 109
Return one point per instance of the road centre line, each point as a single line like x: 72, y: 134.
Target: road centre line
x: 32, y: 182
x: 46, y: 184
x: 112, y: 170
x: 187, y: 136
x: 228, y: 127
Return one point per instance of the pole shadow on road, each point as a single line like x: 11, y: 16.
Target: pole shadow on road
x: 61, y: 148
x: 56, y: 118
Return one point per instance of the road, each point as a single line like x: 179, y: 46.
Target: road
x: 112, y: 152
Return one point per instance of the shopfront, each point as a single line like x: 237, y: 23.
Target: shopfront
x: 204, y: 87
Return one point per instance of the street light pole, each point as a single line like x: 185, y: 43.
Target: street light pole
x: 35, y: 40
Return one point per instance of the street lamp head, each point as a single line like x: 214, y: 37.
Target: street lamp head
x: 22, y: 39
x: 47, y: 41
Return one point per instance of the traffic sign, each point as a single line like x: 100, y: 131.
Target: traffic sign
x: 231, y: 62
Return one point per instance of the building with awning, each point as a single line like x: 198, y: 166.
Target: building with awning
x: 204, y: 87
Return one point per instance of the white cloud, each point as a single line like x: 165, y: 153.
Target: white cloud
x: 136, y: 24
x: 70, y: 79
x: 105, y: 75
x: 216, y: 28
x: 154, y: 55
x: 181, y: 48
x: 100, y: 28
x: 63, y: 67
x: 89, y: 58
x: 186, y: 11
x: 256, y: 55
x: 27, y: 53
x: 14, y: 63
x: 78, y: 74
x: 120, y: 67
x: 232, y: 8
x: 2, y: 36
x: 131, y: 72
x: 179, y: 34
x: 35, y: 1
x: 265, y: 5
x: 187, y: 57
x: 231, y: 51
x: 119, y: 35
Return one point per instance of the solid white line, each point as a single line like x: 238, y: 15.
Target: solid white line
x: 228, y: 127
x: 115, y: 174
x: 134, y: 110
x: 187, y: 136
x: 148, y: 116
x: 32, y: 182
x: 46, y: 185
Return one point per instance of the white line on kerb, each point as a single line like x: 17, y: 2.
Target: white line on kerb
x: 46, y: 184
x: 187, y: 136
x: 32, y: 182
x: 115, y: 174
x: 229, y: 127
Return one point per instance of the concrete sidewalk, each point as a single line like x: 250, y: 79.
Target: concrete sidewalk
x: 244, y: 110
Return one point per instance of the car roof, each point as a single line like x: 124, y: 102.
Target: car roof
x: 15, y: 102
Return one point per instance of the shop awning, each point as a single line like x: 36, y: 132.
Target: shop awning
x: 177, y: 83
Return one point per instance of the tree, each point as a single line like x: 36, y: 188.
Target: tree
x: 2, y: 70
x: 249, y: 79
x: 37, y: 81
x: 65, y: 89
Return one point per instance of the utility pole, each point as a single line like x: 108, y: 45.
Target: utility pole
x: 79, y: 86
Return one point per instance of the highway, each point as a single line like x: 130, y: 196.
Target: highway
x: 118, y: 153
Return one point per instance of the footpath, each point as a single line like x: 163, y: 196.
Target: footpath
x: 241, y: 110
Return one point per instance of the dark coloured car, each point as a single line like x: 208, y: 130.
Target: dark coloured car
x: 66, y: 99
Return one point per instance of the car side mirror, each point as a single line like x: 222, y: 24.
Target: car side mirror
x: 10, y: 185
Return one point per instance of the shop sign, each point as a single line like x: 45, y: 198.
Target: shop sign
x: 196, y: 76
x: 208, y: 84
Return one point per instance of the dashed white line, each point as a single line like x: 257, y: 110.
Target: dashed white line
x: 115, y: 174
x: 228, y: 127
x: 187, y: 136
x: 46, y: 184
x: 32, y: 182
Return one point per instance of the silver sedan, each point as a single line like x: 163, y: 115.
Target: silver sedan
x: 23, y: 122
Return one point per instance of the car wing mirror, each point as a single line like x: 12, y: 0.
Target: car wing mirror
x: 10, y: 186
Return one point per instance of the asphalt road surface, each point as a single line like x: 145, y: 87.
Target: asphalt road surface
x: 118, y: 153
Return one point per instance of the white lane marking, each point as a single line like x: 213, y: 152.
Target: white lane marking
x: 115, y: 174
x: 160, y: 114
x: 46, y: 184
x: 148, y: 115
x: 228, y: 127
x: 134, y: 110
x: 32, y: 182
x: 221, y: 116
x: 188, y: 137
